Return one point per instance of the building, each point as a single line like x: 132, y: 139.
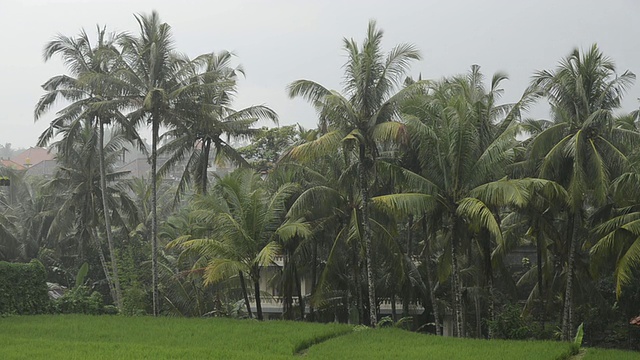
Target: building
x: 10, y: 164
x: 33, y: 156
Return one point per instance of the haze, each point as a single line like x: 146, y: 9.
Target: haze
x: 281, y: 41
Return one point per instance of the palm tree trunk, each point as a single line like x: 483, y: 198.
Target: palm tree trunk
x: 476, y: 299
x: 155, y: 124
x: 287, y: 293
x: 366, y: 226
x: 299, y: 288
x: 567, y: 318
x: 394, y: 316
x: 457, y: 294
x: 539, y: 273
x: 408, y: 293
x: 356, y: 280
x: 243, y: 285
x: 205, y: 149
x: 427, y: 259
x: 256, y: 287
x: 103, y: 261
x: 314, y: 265
x: 107, y: 219
x: 488, y: 270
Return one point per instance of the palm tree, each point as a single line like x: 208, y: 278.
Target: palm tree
x: 78, y: 181
x: 151, y: 72
x: 241, y: 218
x: 212, y: 84
x: 361, y: 118
x: 618, y: 236
x: 92, y: 98
x: 464, y: 143
x: 582, y: 150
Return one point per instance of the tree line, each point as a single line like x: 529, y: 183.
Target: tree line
x: 408, y: 189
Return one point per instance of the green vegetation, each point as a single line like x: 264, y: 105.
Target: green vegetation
x: 395, y: 343
x: 23, y: 288
x: 114, y: 337
x: 602, y: 354
x: 426, y: 200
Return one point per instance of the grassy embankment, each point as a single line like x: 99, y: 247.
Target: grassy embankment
x: 117, y: 337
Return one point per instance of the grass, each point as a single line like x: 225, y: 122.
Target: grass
x: 117, y: 337
x: 602, y: 354
x: 394, y: 343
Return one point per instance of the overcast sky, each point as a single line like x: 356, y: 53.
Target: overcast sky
x: 279, y: 41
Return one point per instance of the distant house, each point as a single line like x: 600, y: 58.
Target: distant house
x: 44, y: 168
x: 10, y: 164
x: 136, y: 168
x: 33, y: 156
x: 140, y: 167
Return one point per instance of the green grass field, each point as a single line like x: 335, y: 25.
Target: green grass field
x: 601, y: 354
x: 386, y: 343
x: 117, y: 337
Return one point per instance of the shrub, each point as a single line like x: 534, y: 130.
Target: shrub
x: 510, y: 324
x: 134, y: 301
x: 23, y: 288
x: 79, y: 300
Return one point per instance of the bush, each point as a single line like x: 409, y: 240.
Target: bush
x: 110, y: 310
x: 510, y: 324
x: 79, y: 300
x: 134, y: 301
x: 23, y: 288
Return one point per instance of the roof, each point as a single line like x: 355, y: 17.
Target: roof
x: 11, y: 164
x: 635, y: 321
x: 43, y: 168
x: 33, y: 156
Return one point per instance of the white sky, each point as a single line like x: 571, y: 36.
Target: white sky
x: 279, y: 41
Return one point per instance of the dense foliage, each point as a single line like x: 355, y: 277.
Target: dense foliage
x: 432, y: 196
x: 23, y: 288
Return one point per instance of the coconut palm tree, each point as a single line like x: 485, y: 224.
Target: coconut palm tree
x: 151, y: 73
x: 92, y: 97
x: 361, y: 118
x: 583, y: 149
x: 77, y: 179
x: 465, y: 142
x: 618, y: 236
x: 212, y: 121
x: 241, y: 218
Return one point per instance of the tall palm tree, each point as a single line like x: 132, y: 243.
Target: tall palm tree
x: 78, y: 181
x: 581, y: 150
x: 152, y: 74
x: 212, y: 83
x: 465, y: 141
x: 361, y: 118
x: 92, y: 97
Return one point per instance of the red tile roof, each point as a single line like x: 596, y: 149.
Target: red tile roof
x: 635, y: 321
x: 33, y: 156
x: 11, y: 164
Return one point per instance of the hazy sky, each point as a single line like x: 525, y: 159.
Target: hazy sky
x: 279, y: 41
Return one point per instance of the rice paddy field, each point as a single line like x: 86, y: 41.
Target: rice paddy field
x: 602, y: 354
x: 117, y: 337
